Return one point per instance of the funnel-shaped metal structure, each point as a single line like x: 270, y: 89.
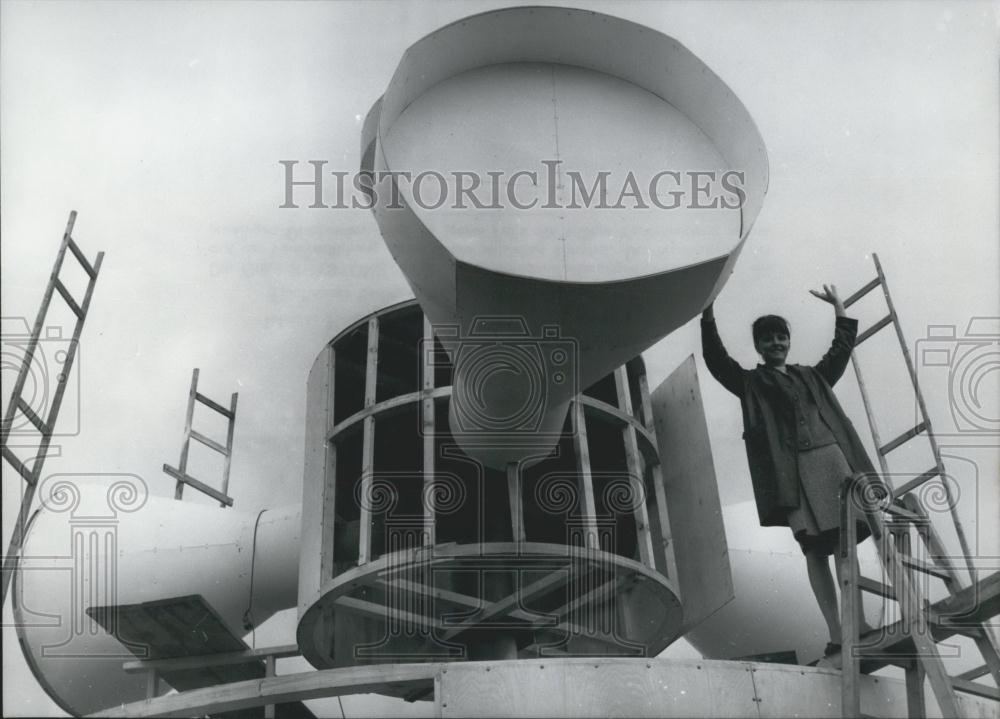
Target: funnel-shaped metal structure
x: 541, y: 175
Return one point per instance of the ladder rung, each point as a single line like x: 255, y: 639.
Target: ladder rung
x: 925, y: 567
x: 902, y: 439
x: 873, y: 329
x: 897, y: 511
x: 916, y: 482
x: 964, y: 685
x: 81, y: 259
x: 211, y: 443
x: 20, y: 466
x: 873, y: 587
x: 214, y: 405
x: 862, y: 292
x: 69, y: 299
x: 35, y: 419
x: 981, y: 671
x: 200, y: 486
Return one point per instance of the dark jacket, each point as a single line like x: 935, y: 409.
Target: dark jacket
x: 769, y: 428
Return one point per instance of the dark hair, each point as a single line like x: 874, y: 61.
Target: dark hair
x: 769, y: 323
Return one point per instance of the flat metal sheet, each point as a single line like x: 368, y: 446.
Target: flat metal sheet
x: 697, y: 529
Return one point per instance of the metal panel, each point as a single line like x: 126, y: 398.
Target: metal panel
x: 692, y: 494
x: 312, y: 558
x: 510, y: 87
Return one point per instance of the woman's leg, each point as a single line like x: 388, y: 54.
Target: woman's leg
x: 821, y: 580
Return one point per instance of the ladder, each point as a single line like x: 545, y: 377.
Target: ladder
x: 892, y: 514
x: 31, y: 470
x: 180, y: 472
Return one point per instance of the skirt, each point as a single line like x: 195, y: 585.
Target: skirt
x: 816, y: 521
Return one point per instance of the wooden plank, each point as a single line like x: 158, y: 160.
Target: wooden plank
x: 903, y: 438
x: 328, y: 471
x: 516, y: 506
x: 850, y: 609
x: 68, y: 299
x: 427, y: 419
x: 208, y: 442
x: 282, y: 651
x: 17, y: 464
x: 981, y: 690
x: 644, y: 536
x: 862, y: 292
x: 513, y: 601
x: 281, y: 689
x: 692, y: 496
x: 200, y: 486
x: 916, y: 706
x: 212, y: 404
x: 368, y: 446
x: 911, y: 608
x: 581, y: 447
x: 28, y: 412
x: 186, y: 446
x: 84, y: 262
x: 873, y: 329
x: 230, y: 430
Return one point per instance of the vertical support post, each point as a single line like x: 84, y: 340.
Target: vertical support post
x: 581, y: 447
x: 229, y: 445
x: 516, y: 508
x: 427, y: 428
x: 188, y: 420
x: 329, y: 516
x: 850, y: 665
x: 368, y: 446
x: 914, y: 620
x: 152, y: 683
x: 633, y: 461
x: 269, y: 666
x: 916, y: 707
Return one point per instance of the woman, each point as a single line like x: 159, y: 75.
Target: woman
x: 800, y: 444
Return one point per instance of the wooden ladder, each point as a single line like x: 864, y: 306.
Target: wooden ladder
x: 893, y: 513
x: 180, y: 472
x: 31, y: 471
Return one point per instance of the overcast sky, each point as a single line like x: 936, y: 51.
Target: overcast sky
x: 163, y: 124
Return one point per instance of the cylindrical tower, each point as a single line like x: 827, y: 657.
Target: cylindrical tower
x: 411, y: 550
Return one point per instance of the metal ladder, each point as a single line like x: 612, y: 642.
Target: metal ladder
x: 892, y: 513
x: 31, y: 470
x: 180, y: 473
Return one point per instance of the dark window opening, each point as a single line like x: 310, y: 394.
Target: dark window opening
x: 350, y: 356
x: 400, y: 345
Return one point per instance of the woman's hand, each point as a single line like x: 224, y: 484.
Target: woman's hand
x: 829, y: 294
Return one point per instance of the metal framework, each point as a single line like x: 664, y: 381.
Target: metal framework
x: 31, y: 471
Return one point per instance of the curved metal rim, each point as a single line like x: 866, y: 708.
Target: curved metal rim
x: 595, y: 408
x: 335, y: 587
x: 387, y: 109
